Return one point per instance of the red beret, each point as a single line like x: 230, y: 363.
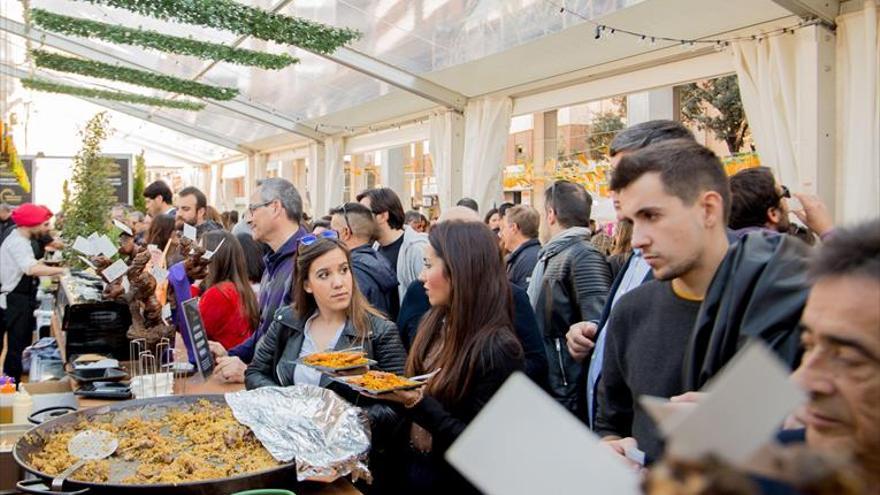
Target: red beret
x: 30, y: 215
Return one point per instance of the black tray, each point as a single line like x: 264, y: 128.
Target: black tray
x: 105, y: 390
x: 89, y: 375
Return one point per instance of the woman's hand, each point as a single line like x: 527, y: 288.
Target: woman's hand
x: 399, y: 396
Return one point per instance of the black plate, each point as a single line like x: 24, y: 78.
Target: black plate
x: 105, y: 390
x: 89, y: 375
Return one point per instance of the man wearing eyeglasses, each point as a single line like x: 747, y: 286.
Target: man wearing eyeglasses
x: 275, y: 214
x: 760, y: 203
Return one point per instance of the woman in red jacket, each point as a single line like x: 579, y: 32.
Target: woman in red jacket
x: 228, y: 304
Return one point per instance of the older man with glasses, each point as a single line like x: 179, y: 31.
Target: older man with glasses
x: 275, y: 214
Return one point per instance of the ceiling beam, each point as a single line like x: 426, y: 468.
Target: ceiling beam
x: 824, y: 10
x: 397, y: 77
x: 90, y: 51
x: 133, y: 111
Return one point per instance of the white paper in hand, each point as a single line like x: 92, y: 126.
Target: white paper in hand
x: 210, y: 254
x: 166, y: 311
x: 121, y: 226
x: 88, y: 263
x: 84, y: 246
x: 745, y: 405
x: 105, y: 246
x: 523, y: 442
x: 159, y: 273
x: 116, y: 270
x: 189, y: 231
x: 126, y: 285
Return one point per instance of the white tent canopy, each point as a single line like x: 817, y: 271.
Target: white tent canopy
x: 422, y: 58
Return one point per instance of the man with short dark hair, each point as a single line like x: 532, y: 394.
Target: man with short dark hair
x: 705, y: 301
x: 375, y: 279
x: 840, y: 369
x: 468, y: 203
x: 275, y: 214
x: 192, y: 209
x: 569, y: 284
x: 758, y: 202
x: 519, y: 237
x: 159, y: 196
x: 402, y: 246
x: 582, y: 335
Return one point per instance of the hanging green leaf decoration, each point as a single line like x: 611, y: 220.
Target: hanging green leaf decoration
x: 244, y: 20
x: 151, y: 39
x: 51, y: 87
x: 91, y: 68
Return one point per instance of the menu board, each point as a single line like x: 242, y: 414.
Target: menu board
x: 119, y: 177
x: 195, y: 328
x: 10, y: 190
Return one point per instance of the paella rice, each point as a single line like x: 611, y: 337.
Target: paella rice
x: 336, y: 359
x: 200, y: 442
x: 379, y: 381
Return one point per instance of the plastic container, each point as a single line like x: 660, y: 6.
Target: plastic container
x: 21, y: 407
x: 7, y: 397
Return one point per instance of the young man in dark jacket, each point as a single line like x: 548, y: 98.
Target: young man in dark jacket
x: 569, y: 284
x: 519, y: 236
x: 375, y: 279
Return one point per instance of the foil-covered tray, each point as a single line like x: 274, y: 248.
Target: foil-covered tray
x: 326, y: 436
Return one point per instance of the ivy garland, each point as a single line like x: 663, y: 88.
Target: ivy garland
x: 243, y: 20
x: 101, y: 70
x: 51, y: 87
x: 151, y: 39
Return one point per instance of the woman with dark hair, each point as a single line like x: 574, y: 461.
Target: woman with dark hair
x: 328, y: 312
x: 228, y: 305
x: 161, y: 229
x: 622, y: 247
x: 253, y: 258
x: 467, y: 335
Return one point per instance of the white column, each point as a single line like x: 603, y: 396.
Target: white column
x: 287, y: 170
x: 545, y: 132
x: 650, y: 105
x: 215, y: 192
x: 334, y: 179
x: 447, y: 153
x: 391, y: 172
x: 316, y: 177
x: 815, y: 155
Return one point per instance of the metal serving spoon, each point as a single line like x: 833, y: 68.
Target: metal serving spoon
x: 88, y: 445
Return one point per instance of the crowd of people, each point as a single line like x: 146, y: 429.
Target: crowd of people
x: 696, y: 265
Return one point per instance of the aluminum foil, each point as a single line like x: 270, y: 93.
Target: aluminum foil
x: 327, y: 436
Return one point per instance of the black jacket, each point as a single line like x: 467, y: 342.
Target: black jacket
x: 416, y: 304
x: 273, y: 362
x: 521, y: 263
x: 573, y: 289
x: 759, y: 291
x: 375, y: 279
x: 430, y: 474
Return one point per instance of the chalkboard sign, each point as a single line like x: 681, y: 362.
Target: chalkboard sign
x: 120, y: 174
x: 198, y: 337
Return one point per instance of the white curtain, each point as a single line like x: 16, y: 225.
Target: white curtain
x: 858, y: 114
x: 443, y: 147
x: 767, y: 74
x: 486, y: 129
x: 314, y: 179
x: 334, y: 177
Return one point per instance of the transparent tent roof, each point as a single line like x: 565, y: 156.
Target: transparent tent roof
x: 420, y: 37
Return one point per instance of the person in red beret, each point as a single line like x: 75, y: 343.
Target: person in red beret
x: 19, y: 272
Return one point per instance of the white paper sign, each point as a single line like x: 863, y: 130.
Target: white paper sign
x: 116, y: 270
x: 89, y: 263
x: 744, y: 406
x: 94, y: 236
x: 524, y: 442
x: 210, y: 254
x: 126, y: 285
x: 189, y: 231
x: 121, y: 226
x: 159, y: 273
x: 166, y: 311
x: 84, y: 246
x: 105, y: 246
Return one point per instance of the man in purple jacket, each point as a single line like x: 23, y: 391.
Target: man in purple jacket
x: 276, y: 212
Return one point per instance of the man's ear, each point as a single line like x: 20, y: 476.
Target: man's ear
x: 712, y: 205
x: 382, y: 216
x: 774, y: 215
